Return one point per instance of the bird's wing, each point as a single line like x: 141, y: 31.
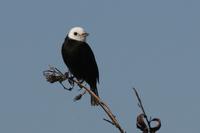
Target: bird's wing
x: 89, y: 62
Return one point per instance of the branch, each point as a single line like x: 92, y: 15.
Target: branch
x: 54, y: 75
x: 142, y: 117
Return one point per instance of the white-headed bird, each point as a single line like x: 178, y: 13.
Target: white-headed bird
x: 80, y: 59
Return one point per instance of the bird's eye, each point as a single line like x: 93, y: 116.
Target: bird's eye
x: 75, y: 33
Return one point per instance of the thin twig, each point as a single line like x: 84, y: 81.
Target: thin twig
x: 54, y: 75
x: 108, y: 121
x: 141, y: 106
x: 103, y: 105
x: 140, y: 119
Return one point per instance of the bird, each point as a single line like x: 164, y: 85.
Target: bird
x: 80, y: 59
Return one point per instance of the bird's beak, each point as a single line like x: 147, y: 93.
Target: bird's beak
x: 85, y: 34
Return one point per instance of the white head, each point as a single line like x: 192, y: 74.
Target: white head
x: 78, y: 34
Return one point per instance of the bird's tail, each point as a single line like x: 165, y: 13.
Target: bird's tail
x: 94, y: 102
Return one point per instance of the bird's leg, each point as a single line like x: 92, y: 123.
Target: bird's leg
x: 70, y: 78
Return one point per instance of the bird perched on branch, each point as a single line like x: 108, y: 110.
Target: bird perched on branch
x: 80, y: 59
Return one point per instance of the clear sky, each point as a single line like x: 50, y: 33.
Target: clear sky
x: 152, y: 45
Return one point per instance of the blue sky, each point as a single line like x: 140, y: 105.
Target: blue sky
x: 151, y: 45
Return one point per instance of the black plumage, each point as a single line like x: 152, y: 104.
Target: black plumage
x: 80, y: 61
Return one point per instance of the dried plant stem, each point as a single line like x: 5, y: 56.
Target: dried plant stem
x: 142, y: 108
x: 55, y: 75
x: 141, y: 124
x: 103, y: 105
